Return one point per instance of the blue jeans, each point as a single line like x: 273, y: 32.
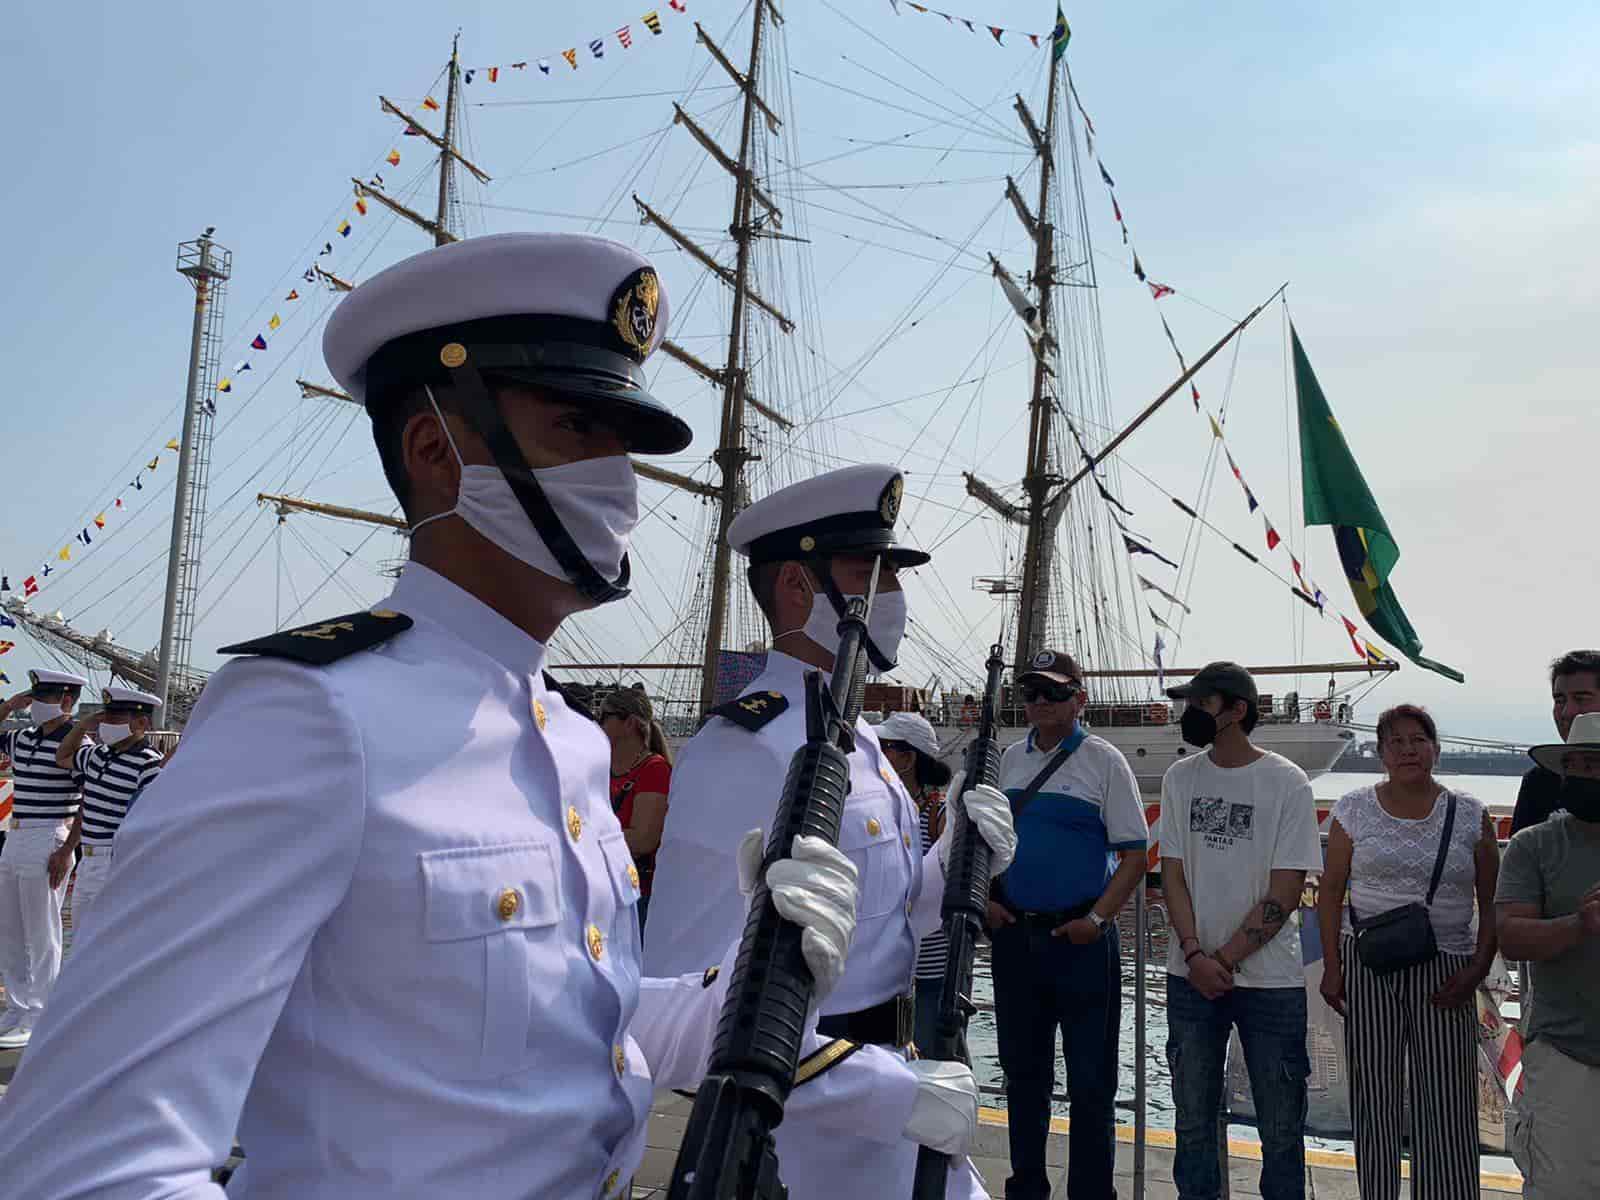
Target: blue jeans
x: 1042, y: 983
x: 1272, y: 1030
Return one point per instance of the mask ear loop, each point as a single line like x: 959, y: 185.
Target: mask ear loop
x: 449, y: 437
x: 776, y: 637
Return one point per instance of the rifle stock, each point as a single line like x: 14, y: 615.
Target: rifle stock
x: 728, y: 1152
x: 965, y: 904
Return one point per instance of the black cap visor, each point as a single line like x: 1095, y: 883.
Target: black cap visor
x: 642, y: 421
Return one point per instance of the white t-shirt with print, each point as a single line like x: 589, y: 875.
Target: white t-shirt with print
x: 1232, y: 827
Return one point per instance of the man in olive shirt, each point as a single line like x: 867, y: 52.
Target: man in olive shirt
x: 1548, y: 911
x: 1574, y: 689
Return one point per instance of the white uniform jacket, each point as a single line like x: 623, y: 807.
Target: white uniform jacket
x: 728, y: 780
x: 376, y: 917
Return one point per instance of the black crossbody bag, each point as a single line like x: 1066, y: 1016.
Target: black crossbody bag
x: 1403, y: 937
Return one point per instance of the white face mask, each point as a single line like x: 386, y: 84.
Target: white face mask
x: 41, y: 713
x: 110, y: 735
x: 597, y: 500
x: 886, y: 623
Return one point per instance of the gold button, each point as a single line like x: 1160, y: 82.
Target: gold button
x: 906, y: 838
x: 633, y: 876
x: 620, y: 1059
x: 873, y: 828
x: 887, y: 776
x: 510, y: 901
x: 574, y: 822
x: 538, y: 714
x: 597, y: 942
x: 611, y: 1181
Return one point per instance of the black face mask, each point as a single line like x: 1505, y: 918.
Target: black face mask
x: 1581, y: 797
x: 1197, y: 727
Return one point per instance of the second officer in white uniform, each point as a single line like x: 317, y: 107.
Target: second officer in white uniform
x: 377, y: 916
x: 810, y: 546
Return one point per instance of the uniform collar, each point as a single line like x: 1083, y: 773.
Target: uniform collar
x: 787, y: 668
x: 421, y: 592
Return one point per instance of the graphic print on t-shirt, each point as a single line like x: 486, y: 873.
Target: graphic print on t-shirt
x: 1223, y: 822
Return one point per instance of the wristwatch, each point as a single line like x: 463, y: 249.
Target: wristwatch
x: 1098, y: 922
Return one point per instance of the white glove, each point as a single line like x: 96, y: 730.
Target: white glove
x: 990, y: 811
x: 944, y: 1116
x: 815, y: 887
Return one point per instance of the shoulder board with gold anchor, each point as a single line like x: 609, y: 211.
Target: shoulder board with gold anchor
x: 327, y: 641
x: 753, y: 711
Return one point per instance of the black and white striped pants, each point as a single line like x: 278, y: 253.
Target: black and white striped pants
x: 1395, y: 1037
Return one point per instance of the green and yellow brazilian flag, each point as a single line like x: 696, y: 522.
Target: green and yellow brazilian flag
x: 1337, y: 495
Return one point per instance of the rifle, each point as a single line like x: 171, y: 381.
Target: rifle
x: 965, y: 904
x: 728, y: 1152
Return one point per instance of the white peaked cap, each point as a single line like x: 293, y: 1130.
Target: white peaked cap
x: 848, y: 511
x: 43, y: 678
x: 572, y: 313
x: 126, y: 697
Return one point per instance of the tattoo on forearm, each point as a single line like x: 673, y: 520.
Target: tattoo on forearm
x: 1273, y: 915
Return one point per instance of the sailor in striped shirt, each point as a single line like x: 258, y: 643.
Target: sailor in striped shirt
x: 44, y: 800
x: 112, y: 775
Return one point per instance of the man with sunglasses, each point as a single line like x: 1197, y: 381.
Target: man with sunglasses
x: 1081, y: 843
x: 811, y: 548
x: 44, y: 801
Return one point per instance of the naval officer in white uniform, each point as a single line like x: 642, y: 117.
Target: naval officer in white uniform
x: 810, y: 546
x: 377, y: 916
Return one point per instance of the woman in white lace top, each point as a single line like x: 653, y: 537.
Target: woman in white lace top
x: 1418, y: 1023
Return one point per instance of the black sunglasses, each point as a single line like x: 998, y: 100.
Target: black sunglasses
x: 898, y: 747
x: 1048, y: 693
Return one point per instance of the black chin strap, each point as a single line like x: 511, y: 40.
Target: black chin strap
x: 822, y: 567
x: 481, y: 412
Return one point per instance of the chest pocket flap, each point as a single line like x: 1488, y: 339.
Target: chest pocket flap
x: 479, y: 890
x: 871, y: 838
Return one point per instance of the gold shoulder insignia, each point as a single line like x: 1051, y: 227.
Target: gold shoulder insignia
x: 327, y: 641
x: 710, y: 976
x: 753, y: 712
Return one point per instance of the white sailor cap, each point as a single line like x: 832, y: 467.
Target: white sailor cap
x: 126, y: 697
x: 848, y: 511
x: 57, y: 679
x: 573, y: 314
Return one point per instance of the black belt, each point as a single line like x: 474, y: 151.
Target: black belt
x: 1054, y: 920
x: 887, y: 1024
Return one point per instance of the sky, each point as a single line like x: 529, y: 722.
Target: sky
x: 1421, y: 175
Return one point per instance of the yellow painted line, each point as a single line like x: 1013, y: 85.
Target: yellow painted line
x: 1333, y: 1160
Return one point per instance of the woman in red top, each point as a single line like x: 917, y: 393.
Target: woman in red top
x: 641, y: 774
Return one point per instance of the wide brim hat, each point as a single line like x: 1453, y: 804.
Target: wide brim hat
x: 1583, y: 736
x: 570, y: 314
x: 912, y: 729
